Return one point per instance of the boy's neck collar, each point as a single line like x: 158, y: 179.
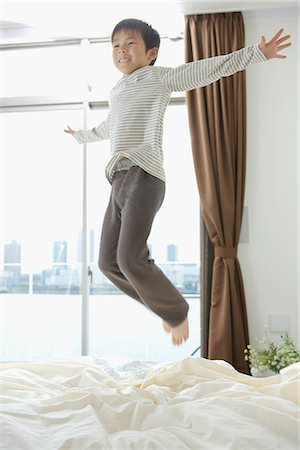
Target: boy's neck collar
x: 125, y: 75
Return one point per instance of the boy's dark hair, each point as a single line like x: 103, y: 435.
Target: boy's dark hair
x: 148, y: 34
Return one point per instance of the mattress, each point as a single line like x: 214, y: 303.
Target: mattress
x: 191, y: 403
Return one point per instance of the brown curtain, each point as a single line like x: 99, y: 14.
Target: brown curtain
x: 217, y: 117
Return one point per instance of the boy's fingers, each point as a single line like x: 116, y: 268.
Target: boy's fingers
x: 277, y: 35
x: 281, y: 47
x: 284, y: 38
x: 69, y: 129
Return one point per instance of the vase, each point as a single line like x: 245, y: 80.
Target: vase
x: 262, y: 371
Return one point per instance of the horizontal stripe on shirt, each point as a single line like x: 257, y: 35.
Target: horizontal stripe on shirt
x: 138, y: 102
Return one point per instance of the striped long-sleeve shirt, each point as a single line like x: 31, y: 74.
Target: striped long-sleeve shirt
x: 138, y: 102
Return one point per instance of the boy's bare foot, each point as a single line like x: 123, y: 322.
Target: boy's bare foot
x: 179, y: 333
x: 166, y: 326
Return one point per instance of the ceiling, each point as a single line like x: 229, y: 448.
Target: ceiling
x: 70, y: 18
x: 29, y: 20
x: 199, y: 7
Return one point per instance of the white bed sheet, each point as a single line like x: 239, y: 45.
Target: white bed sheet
x: 191, y: 404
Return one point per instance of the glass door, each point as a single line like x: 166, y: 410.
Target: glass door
x: 48, y: 310
x: 41, y: 235
x: 119, y: 325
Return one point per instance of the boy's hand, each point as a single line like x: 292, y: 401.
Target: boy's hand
x: 69, y: 131
x: 271, y: 49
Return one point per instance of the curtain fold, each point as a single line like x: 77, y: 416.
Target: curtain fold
x: 217, y: 118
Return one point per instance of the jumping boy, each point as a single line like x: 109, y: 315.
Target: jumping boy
x: 135, y: 171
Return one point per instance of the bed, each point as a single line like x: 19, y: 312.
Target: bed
x: 191, y: 403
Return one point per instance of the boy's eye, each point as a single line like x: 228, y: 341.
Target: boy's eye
x: 117, y: 45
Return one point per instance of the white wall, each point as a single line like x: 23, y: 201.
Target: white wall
x: 269, y: 260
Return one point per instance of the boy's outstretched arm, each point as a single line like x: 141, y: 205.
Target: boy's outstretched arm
x: 98, y: 133
x: 203, y: 72
x: 270, y: 49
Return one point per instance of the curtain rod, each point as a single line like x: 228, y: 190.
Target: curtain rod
x: 15, y: 104
x: 69, y: 41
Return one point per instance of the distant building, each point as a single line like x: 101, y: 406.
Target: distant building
x: 185, y: 276
x: 60, y: 249
x: 172, y: 252
x: 12, y: 258
x: 58, y: 280
x: 12, y: 253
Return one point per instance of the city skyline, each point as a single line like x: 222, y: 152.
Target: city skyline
x: 60, y: 277
x: 53, y: 211
x: 13, y: 251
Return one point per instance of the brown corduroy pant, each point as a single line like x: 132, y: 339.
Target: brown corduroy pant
x: 135, y: 198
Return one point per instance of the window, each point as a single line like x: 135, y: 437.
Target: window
x: 174, y: 244
x: 41, y: 221
x: 41, y: 267
x: 42, y: 71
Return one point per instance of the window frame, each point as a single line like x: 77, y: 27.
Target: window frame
x: 82, y: 102
x: 37, y: 103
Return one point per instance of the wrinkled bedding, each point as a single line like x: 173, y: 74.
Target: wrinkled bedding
x: 188, y: 404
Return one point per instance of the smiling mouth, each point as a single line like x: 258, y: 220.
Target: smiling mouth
x: 124, y: 60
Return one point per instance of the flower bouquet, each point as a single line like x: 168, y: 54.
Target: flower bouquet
x: 269, y: 359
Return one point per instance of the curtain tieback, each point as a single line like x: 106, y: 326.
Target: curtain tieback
x: 227, y: 252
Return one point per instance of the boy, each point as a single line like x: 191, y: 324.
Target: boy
x: 134, y: 125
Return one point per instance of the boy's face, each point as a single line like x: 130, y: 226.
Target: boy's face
x: 129, y: 51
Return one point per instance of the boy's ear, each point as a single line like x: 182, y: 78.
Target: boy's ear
x: 152, y: 53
